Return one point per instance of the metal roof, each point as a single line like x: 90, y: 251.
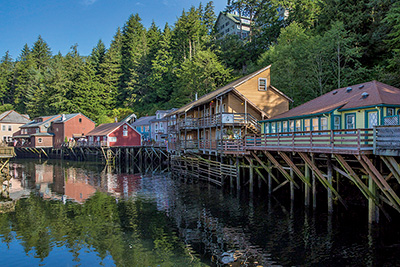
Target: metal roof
x: 11, y: 116
x: 143, y: 121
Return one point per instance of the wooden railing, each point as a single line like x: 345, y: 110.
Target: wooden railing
x: 7, y: 152
x: 318, y: 141
x: 220, y: 119
x: 387, y: 140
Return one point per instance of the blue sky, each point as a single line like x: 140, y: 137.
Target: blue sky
x: 63, y: 23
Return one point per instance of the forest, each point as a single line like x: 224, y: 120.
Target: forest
x: 312, y: 46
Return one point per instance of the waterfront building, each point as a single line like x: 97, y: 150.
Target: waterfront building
x: 143, y: 126
x: 159, y: 127
x: 117, y: 134
x: 358, y: 106
x: 212, y: 122
x: 53, y: 131
x: 10, y: 121
x: 36, y: 133
x: 70, y: 127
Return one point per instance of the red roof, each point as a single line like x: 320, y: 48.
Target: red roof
x: 351, y: 97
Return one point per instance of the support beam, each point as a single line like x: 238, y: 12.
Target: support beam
x: 373, y: 211
x: 307, y: 185
x: 294, y: 168
x: 321, y: 177
x: 280, y: 168
x: 330, y: 179
x: 268, y: 169
x: 393, y: 166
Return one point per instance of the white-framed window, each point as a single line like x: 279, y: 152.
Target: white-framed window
x: 324, y: 123
x: 10, y: 128
x: 125, y: 127
x: 350, y: 121
x: 40, y: 140
x: 98, y: 138
x: 156, y: 126
x: 273, y: 127
x: 112, y: 139
x: 262, y: 84
x: 37, y: 130
x: 90, y: 138
x: 3, y: 128
x: 161, y: 125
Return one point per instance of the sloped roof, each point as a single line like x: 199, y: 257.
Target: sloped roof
x: 68, y: 117
x: 345, y: 99
x: 46, y: 119
x: 105, y: 129
x: 12, y: 116
x: 143, y: 121
x: 235, y: 18
x: 220, y: 91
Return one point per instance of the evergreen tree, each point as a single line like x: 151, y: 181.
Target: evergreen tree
x: 133, y: 51
x: 6, y: 79
x: 97, y: 55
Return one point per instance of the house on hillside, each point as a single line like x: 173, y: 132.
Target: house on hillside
x: 229, y: 112
x: 70, y: 127
x: 36, y: 133
x: 354, y: 107
x: 229, y: 23
x: 10, y: 121
x: 117, y: 134
x: 143, y: 126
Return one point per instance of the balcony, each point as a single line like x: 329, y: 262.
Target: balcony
x: 228, y: 119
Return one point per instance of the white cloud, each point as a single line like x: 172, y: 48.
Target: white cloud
x: 139, y: 4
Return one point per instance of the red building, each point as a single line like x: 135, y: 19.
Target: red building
x: 114, y: 135
x: 70, y: 126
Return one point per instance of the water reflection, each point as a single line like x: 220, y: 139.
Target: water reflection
x: 85, y: 214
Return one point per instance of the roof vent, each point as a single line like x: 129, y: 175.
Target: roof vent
x: 335, y: 92
x: 361, y: 86
x: 364, y: 95
x: 348, y: 89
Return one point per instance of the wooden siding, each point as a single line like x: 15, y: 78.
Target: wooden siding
x: 133, y: 138
x: 271, y: 102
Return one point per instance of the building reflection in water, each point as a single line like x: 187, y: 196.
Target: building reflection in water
x: 68, y: 181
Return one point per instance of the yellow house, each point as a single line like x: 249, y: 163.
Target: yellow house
x: 358, y: 106
x: 229, y: 112
x: 10, y: 121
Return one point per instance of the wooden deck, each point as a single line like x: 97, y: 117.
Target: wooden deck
x: 352, y: 142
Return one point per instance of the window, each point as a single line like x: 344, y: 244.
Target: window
x: 307, y: 126
x: 125, y: 127
x: 37, y: 130
x: 291, y: 126
x: 56, y: 129
x: 80, y: 119
x: 10, y: 128
x: 350, y: 121
x: 390, y: 112
x: 158, y: 116
x: 98, y: 138
x: 278, y: 126
x: 315, y: 124
x: 4, y: 128
x: 337, y: 123
x: 324, y: 123
x: 39, y: 140
x: 266, y: 129
x: 156, y: 126
x: 262, y: 84
x: 284, y: 126
x: 161, y: 126
x: 273, y: 127
x: 223, y: 108
x: 112, y: 139
x: 125, y: 133
x: 298, y: 126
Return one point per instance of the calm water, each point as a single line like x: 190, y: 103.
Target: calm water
x: 69, y: 214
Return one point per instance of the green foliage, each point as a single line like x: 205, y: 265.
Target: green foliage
x: 313, y: 47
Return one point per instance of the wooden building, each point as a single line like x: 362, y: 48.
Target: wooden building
x: 358, y: 106
x: 10, y: 121
x: 213, y: 122
x: 36, y: 133
x: 117, y: 134
x: 70, y: 126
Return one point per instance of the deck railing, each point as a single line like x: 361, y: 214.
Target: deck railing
x: 321, y: 141
x: 392, y: 120
x: 220, y: 119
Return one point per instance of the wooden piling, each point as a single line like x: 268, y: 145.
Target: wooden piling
x: 330, y: 179
x: 306, y: 186
x: 373, y: 211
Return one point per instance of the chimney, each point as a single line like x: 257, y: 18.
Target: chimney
x: 195, y: 97
x: 63, y: 117
x: 116, y: 119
